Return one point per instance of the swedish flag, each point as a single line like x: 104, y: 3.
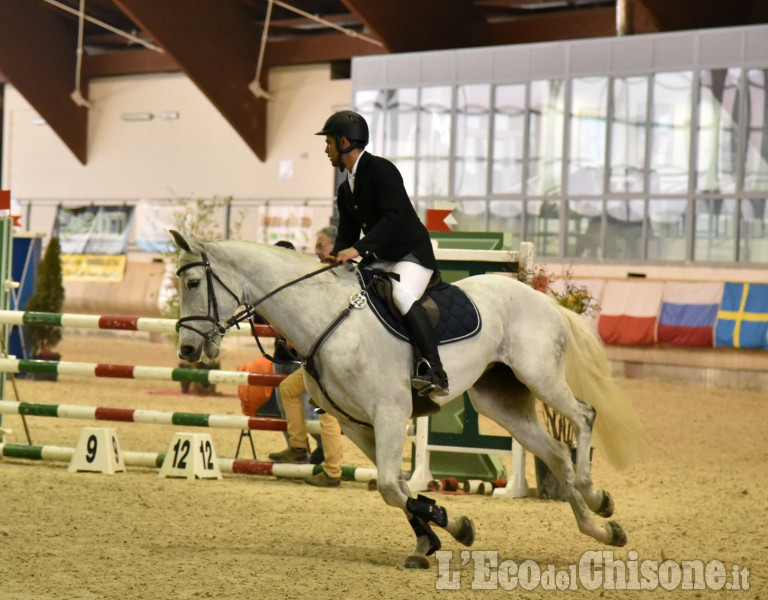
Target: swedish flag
x: 742, y: 321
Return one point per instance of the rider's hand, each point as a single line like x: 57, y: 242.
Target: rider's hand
x: 346, y: 255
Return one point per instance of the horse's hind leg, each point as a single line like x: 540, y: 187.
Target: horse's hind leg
x: 557, y: 395
x: 501, y: 397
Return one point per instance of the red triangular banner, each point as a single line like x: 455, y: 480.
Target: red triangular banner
x: 436, y: 219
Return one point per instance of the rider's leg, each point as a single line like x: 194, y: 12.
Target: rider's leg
x: 429, y: 377
x: 414, y: 279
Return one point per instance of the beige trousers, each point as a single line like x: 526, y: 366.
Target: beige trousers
x: 291, y: 389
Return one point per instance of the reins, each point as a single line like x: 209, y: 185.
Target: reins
x: 234, y: 320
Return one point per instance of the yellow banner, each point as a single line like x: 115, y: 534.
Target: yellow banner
x: 93, y: 267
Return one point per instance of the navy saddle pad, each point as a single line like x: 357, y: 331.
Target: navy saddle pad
x: 459, y: 317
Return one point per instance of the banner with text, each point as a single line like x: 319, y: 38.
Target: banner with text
x: 94, y: 241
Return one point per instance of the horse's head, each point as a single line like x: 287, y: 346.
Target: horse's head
x: 206, y: 301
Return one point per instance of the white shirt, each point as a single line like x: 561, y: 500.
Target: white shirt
x: 351, y: 174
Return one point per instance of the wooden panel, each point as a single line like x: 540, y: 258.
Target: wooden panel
x: 588, y: 23
x: 217, y: 46
x: 407, y: 26
x: 38, y: 57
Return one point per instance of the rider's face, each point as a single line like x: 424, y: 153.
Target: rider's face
x: 332, y: 150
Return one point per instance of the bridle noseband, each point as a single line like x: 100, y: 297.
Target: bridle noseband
x: 213, y: 306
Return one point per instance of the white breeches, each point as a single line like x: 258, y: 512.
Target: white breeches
x: 414, y: 280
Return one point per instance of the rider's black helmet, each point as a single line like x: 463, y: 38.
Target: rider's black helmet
x: 349, y: 124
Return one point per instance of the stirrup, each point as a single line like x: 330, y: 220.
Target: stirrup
x: 438, y: 386
x: 422, y: 375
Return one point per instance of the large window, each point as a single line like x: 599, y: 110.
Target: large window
x: 716, y: 165
x: 402, y: 132
x: 662, y: 166
x: 586, y: 165
x: 473, y: 116
x: 434, y: 141
x: 546, y: 111
x: 628, y: 134
x: 508, y: 139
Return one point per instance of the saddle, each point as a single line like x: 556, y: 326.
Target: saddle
x: 452, y: 313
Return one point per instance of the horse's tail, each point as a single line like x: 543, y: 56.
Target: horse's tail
x: 617, y: 431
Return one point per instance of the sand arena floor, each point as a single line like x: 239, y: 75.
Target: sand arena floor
x: 701, y: 494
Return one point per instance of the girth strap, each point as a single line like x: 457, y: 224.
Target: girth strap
x: 311, y: 367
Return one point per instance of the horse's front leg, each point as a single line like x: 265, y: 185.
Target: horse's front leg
x: 421, y: 511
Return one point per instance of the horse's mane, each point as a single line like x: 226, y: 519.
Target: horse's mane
x: 299, y: 262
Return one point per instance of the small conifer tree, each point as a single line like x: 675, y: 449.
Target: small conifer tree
x: 47, y: 297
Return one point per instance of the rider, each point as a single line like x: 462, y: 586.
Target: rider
x: 373, y: 201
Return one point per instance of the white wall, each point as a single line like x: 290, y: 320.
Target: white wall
x: 198, y: 155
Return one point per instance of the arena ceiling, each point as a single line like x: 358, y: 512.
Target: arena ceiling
x: 46, y: 46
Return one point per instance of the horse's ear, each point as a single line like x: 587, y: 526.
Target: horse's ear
x: 180, y: 241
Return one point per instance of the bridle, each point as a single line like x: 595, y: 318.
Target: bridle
x: 249, y: 311
x: 222, y: 327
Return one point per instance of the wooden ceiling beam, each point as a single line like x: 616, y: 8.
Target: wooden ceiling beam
x: 341, y: 19
x: 217, y: 46
x: 676, y: 16
x: 38, y: 57
x: 318, y: 48
x: 407, y: 26
x: 587, y: 23
x: 128, y: 62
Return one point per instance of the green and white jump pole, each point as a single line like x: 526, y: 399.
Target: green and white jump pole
x: 6, y: 258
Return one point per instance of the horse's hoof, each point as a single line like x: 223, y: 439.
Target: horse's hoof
x: 618, y: 537
x: 465, y: 534
x: 606, y: 508
x: 416, y: 561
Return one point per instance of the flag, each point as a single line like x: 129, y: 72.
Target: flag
x: 629, y: 312
x: 742, y: 321
x: 688, y: 313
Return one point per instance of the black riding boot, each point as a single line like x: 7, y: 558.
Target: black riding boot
x: 429, y: 376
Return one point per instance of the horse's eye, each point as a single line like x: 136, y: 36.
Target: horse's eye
x: 193, y: 283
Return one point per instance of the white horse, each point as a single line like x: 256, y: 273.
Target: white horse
x: 529, y: 347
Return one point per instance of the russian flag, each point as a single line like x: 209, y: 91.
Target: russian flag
x: 688, y: 313
x: 742, y: 321
x: 629, y: 312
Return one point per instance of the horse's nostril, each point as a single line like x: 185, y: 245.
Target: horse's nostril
x: 186, y: 350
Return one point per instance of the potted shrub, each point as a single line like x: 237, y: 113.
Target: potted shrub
x: 580, y: 300
x: 48, y: 297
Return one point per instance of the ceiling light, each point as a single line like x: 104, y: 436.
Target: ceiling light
x: 137, y: 116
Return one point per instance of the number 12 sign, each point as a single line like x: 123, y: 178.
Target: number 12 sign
x: 191, y: 455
